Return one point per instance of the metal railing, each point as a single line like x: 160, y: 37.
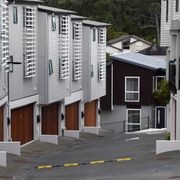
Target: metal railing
x: 122, y: 126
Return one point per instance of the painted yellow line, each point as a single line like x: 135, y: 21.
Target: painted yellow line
x: 71, y: 164
x: 123, y: 159
x: 96, y: 162
x: 45, y: 167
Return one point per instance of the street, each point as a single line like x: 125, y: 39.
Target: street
x: 139, y: 148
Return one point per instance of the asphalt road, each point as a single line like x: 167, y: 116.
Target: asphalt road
x: 108, y: 146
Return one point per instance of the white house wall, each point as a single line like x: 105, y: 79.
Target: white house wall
x: 110, y: 50
x: 98, y: 88
x: 43, y: 57
x: 165, y: 26
x: 86, y: 66
x: 58, y: 89
x: 19, y: 86
x: 138, y: 46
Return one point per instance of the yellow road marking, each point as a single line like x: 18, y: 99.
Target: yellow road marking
x: 71, y: 164
x: 123, y: 159
x: 45, y: 167
x: 96, y: 162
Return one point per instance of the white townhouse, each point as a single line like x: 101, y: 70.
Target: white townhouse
x: 23, y: 76
x: 93, y: 72
x: 170, y: 37
x: 4, y: 67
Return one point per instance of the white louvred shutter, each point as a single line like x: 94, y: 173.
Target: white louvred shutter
x: 64, y: 47
x: 77, y: 51
x: 102, y: 54
x: 29, y: 42
x: 4, y: 29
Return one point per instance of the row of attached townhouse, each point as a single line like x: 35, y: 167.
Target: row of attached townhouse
x: 170, y: 37
x: 53, y: 72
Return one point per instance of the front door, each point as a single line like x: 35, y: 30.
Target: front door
x: 1, y: 124
x: 160, y: 117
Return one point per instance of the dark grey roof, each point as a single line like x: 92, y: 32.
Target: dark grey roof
x: 95, y: 23
x: 54, y: 10
x: 140, y: 60
x: 123, y: 37
x: 76, y: 17
x: 154, y: 50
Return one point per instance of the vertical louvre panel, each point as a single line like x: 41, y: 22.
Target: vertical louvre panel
x: 64, y: 47
x: 77, y: 51
x: 4, y: 30
x: 102, y: 54
x: 29, y: 42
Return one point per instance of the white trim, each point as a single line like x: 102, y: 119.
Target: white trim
x: 156, y: 80
x: 132, y: 77
x: 3, y: 101
x: 23, y: 102
x: 132, y: 109
x: 76, y: 96
x: 156, y: 114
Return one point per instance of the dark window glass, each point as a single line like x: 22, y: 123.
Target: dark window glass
x: 15, y: 15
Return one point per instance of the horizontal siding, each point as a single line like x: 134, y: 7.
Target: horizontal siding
x: 165, y: 26
x: 3, y: 83
x: 20, y: 87
x: 58, y: 89
x: 175, y: 15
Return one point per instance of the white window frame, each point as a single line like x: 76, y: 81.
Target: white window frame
x: 136, y: 124
x: 157, y: 79
x: 132, y: 77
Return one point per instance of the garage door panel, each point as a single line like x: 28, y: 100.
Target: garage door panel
x: 1, y: 123
x: 50, y: 119
x: 90, y: 113
x: 22, y: 124
x: 72, y: 116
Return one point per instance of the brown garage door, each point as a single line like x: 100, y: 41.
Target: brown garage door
x: 22, y: 124
x: 1, y: 123
x: 72, y: 116
x: 50, y: 119
x: 90, y: 113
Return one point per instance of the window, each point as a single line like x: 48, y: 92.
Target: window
x: 15, y: 15
x: 94, y: 34
x: 167, y: 10
x: 125, y: 44
x: 102, y: 54
x: 53, y: 23
x: 133, y: 120
x: 132, y: 89
x: 29, y: 42
x: 77, y: 50
x: 50, y: 67
x: 177, y: 5
x: 159, y: 80
x: 64, y: 59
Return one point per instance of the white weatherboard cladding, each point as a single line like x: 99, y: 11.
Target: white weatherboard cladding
x: 29, y: 42
x: 64, y: 47
x: 165, y: 26
x: 77, y: 50
x: 102, y: 54
x: 20, y: 87
x: 97, y: 89
x: 175, y: 15
x: 57, y: 88
x: 4, y: 31
x: 4, y: 46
